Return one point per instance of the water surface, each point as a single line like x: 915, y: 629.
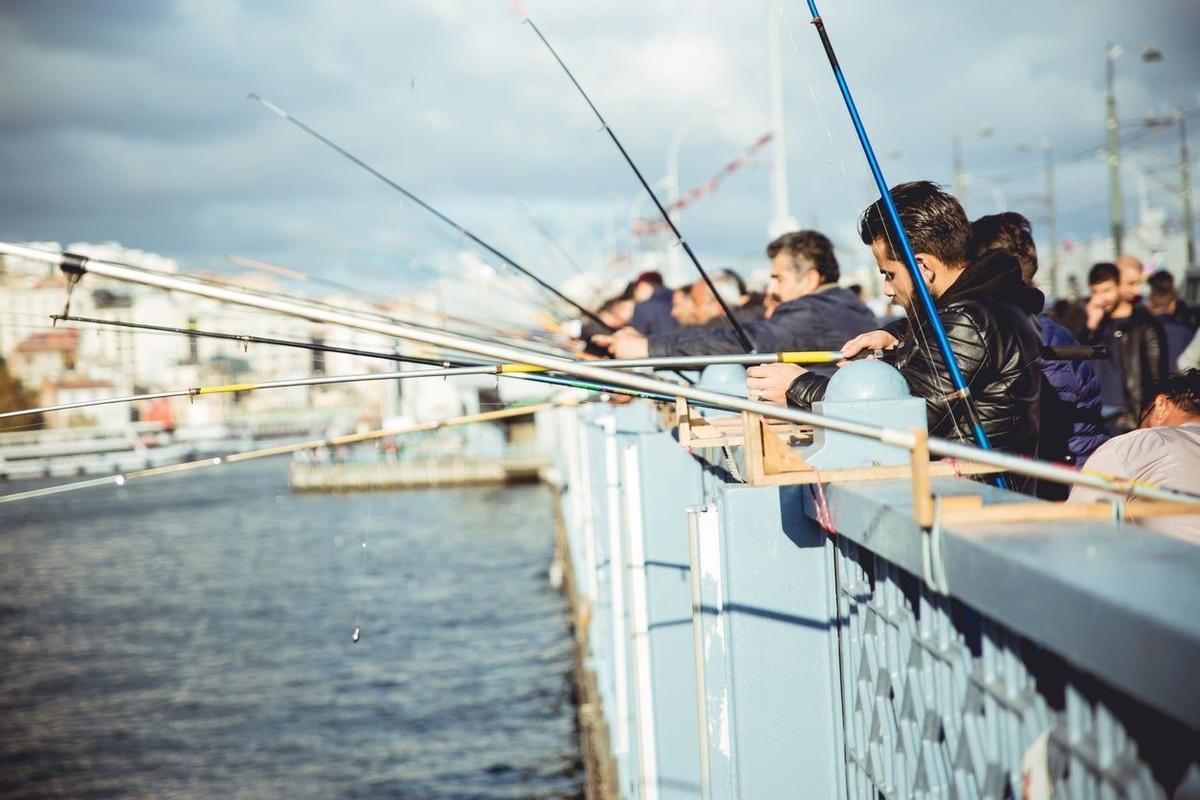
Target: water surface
x: 192, y: 637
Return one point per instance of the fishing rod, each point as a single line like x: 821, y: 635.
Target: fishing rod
x: 77, y: 265
x: 377, y: 300
x: 274, y: 109
x: 925, y: 299
x: 747, y: 345
x: 509, y: 370
x: 1049, y: 352
x: 516, y: 410
x: 529, y: 339
x: 662, y: 363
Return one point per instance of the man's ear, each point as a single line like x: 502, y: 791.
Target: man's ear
x: 924, y: 263
x: 1162, y: 407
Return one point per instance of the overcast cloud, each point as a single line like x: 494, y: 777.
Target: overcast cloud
x: 127, y: 120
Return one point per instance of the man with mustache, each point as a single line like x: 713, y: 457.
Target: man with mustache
x: 813, y: 312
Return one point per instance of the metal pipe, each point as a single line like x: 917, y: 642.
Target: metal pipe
x: 231, y: 388
x: 74, y: 263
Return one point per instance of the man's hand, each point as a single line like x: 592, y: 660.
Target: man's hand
x: 769, y: 382
x: 871, y: 340
x: 1096, y: 310
x: 625, y: 343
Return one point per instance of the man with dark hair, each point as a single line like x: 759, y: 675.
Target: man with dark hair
x: 653, y: 311
x: 984, y: 307
x: 1164, y: 450
x: 1010, y: 232
x: 1071, y: 425
x: 813, y: 312
x: 1138, y: 356
x: 1163, y: 303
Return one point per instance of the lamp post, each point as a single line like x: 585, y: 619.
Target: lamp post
x: 1047, y: 148
x: 782, y: 220
x: 1185, y: 177
x: 961, y: 179
x: 672, y: 177
x: 1179, y: 120
x: 1150, y: 54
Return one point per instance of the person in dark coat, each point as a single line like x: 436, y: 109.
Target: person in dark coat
x: 1135, y: 340
x: 813, y: 313
x: 1171, y: 313
x: 652, y: 314
x: 1071, y: 426
x: 984, y: 306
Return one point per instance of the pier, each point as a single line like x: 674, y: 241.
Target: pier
x: 813, y: 639
x: 415, y: 473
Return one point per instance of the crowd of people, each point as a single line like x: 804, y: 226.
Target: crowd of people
x: 1134, y: 414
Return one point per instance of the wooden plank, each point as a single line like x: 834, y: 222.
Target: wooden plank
x: 922, y: 494
x: 753, y: 447
x: 1041, y: 511
x: 778, y: 456
x: 937, y: 469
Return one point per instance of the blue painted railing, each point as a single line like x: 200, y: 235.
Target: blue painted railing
x: 740, y: 650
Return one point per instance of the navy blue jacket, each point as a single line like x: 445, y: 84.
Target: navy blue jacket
x: 1072, y: 413
x: 654, y: 315
x: 822, y: 321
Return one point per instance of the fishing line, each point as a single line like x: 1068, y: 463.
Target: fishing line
x: 389, y: 182
x: 747, y: 345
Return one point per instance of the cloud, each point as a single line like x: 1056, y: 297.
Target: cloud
x: 128, y: 122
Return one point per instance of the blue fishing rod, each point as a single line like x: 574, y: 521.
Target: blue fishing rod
x: 910, y: 259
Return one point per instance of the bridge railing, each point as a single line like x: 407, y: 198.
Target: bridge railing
x: 814, y: 641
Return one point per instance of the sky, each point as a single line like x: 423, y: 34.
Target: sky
x: 127, y: 121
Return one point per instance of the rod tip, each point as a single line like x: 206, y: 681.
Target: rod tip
x: 521, y: 10
x: 265, y: 103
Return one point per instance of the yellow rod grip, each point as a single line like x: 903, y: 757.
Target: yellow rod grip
x: 510, y: 368
x: 810, y: 357
x: 229, y: 387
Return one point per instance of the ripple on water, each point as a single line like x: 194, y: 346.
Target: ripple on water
x: 192, y: 637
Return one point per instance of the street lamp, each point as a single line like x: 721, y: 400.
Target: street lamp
x: 1047, y: 148
x: 672, y: 177
x: 960, y: 171
x: 1150, y: 54
x: 1179, y: 119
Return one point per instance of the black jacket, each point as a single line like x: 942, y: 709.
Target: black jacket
x: 1138, y: 347
x: 824, y: 320
x: 987, y: 315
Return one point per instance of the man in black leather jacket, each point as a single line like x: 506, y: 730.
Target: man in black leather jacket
x: 814, y: 313
x: 985, y: 308
x: 1135, y: 340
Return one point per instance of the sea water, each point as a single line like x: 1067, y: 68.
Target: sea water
x: 192, y: 636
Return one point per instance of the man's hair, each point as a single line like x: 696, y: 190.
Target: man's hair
x: 652, y: 278
x: 1162, y: 289
x: 1182, y: 389
x: 811, y: 246
x: 934, y: 221
x: 729, y: 286
x: 1011, y: 233
x: 1104, y: 271
x: 732, y: 275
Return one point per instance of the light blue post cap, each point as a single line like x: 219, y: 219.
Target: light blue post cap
x: 866, y: 380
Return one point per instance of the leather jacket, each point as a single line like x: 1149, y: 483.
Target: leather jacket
x: 987, y: 315
x: 1138, y: 345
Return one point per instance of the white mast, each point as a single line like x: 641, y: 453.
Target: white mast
x: 782, y: 220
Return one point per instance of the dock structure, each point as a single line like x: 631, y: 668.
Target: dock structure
x: 767, y: 620
x: 414, y: 473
